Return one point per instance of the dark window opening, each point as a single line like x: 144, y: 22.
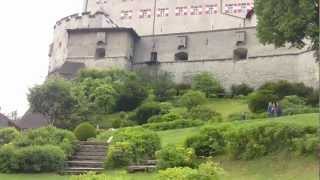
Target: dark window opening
x: 154, y: 57
x: 240, y: 54
x: 100, y: 53
x: 100, y: 43
x: 181, y: 56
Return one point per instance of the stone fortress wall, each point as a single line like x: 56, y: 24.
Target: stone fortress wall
x: 210, y: 36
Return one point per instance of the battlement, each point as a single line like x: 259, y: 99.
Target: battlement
x: 99, y: 19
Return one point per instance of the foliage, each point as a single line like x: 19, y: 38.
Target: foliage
x: 192, y: 99
x: 104, y: 98
x: 171, y: 116
x: 48, y: 136
x: 204, y: 113
x: 145, y: 111
x: 295, y: 105
x: 206, y: 83
x: 246, y: 116
x: 287, y: 21
x: 285, y: 88
x: 177, y: 173
x: 7, y: 135
x: 85, y: 131
x: 206, y: 171
x: 144, y: 143
x: 52, y: 99
x: 258, y: 101
x: 313, y: 98
x: 120, y: 154
x: 114, y: 75
x: 181, y: 89
x: 131, y: 95
x: 306, y: 145
x: 175, y: 156
x: 89, y: 176
x: 209, y: 142
x: 46, y: 158
x: 248, y: 140
x: 105, y: 135
x: 241, y: 89
x: 177, y: 124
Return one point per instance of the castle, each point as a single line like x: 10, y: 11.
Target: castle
x: 183, y: 37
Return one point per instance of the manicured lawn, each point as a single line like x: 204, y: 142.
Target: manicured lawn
x: 228, y: 106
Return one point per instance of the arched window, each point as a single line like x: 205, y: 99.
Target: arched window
x: 240, y: 54
x: 181, y: 56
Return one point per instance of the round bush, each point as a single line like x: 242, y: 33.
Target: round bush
x: 258, y: 101
x: 178, y: 173
x: 145, y: 111
x: 192, y: 99
x: 7, y: 135
x: 175, y: 156
x: 85, y: 131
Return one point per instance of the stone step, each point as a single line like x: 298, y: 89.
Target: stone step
x: 84, y: 163
x: 90, y: 153
x: 92, y: 150
x: 141, y: 168
x: 75, y: 158
x: 81, y: 170
x: 92, y: 146
x: 92, y: 143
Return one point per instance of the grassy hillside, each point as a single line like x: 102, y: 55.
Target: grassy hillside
x: 273, y: 167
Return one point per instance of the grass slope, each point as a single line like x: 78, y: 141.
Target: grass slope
x: 273, y: 167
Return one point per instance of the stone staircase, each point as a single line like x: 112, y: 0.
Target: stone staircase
x: 89, y: 156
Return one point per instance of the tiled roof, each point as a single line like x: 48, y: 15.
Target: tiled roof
x: 4, y: 121
x: 32, y: 120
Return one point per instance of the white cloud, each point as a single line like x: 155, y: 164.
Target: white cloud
x: 25, y: 34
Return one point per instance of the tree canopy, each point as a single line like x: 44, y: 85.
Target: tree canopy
x: 288, y: 21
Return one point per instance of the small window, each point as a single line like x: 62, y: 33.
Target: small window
x: 154, y: 57
x: 240, y: 38
x: 100, y: 53
x: 182, y: 42
x: 181, y: 56
x: 240, y: 54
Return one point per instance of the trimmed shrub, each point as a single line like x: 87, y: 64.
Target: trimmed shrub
x: 7, y: 135
x: 192, y: 99
x: 177, y: 124
x: 248, y: 140
x: 209, y: 142
x: 64, y: 139
x: 206, y: 83
x: 306, y: 145
x: 258, y: 101
x: 313, y: 98
x: 241, y: 89
x: 178, y: 173
x: 85, y: 131
x: 144, y: 143
x: 175, y: 156
x: 46, y: 158
x: 246, y: 116
x: 204, y: 113
x: 145, y: 111
x: 172, y: 116
x: 206, y: 171
x: 119, y: 154
x: 91, y: 176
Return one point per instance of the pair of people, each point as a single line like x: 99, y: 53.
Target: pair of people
x: 274, y: 109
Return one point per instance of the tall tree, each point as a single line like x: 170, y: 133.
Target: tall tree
x: 288, y: 21
x: 52, y: 99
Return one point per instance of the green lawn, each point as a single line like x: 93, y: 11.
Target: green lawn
x: 274, y: 167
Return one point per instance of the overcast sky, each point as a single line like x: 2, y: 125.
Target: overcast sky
x: 25, y: 34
